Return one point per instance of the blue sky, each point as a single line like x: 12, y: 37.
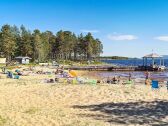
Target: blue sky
x: 126, y: 27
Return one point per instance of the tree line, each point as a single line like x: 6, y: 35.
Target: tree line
x: 113, y: 57
x: 45, y: 46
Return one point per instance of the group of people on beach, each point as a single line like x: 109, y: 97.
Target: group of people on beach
x: 117, y: 79
x: 60, y: 73
x: 70, y: 75
x: 113, y: 80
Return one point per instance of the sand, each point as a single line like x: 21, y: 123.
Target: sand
x: 28, y: 102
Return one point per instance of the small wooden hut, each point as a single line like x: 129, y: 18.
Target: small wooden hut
x: 23, y: 60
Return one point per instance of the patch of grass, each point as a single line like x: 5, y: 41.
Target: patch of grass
x: 2, y: 121
x: 32, y: 110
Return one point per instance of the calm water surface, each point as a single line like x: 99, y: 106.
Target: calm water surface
x: 134, y: 62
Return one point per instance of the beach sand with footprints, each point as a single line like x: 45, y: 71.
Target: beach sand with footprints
x: 28, y: 102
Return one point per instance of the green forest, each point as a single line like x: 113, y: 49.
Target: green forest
x: 47, y: 46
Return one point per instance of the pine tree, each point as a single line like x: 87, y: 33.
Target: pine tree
x: 25, y: 42
x: 7, y: 41
x: 37, y: 45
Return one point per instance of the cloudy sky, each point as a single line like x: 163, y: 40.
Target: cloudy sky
x: 126, y: 27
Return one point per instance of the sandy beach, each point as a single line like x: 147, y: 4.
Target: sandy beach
x: 84, y: 63
x: 28, y: 102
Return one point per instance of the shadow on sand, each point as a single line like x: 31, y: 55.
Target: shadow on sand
x: 153, y: 113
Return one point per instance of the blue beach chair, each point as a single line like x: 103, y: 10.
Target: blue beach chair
x: 155, y: 84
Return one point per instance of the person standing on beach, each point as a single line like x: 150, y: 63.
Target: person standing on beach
x: 130, y: 76
x: 147, y: 75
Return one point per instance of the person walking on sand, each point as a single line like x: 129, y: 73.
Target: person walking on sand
x: 147, y: 75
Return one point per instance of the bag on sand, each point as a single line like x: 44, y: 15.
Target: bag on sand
x: 16, y: 76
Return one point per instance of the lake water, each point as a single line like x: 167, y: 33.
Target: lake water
x: 133, y: 62
x: 135, y: 74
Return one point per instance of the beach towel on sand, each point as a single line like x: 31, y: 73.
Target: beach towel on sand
x: 91, y: 81
x: 130, y: 82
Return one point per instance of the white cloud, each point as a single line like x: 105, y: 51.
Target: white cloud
x: 91, y: 31
x: 162, y: 38
x: 122, y: 37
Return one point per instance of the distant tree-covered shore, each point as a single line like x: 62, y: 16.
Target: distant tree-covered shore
x: 45, y: 46
x: 113, y: 57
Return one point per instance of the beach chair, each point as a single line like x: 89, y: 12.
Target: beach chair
x: 155, y: 84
